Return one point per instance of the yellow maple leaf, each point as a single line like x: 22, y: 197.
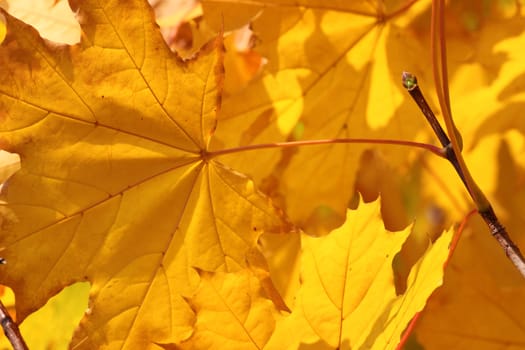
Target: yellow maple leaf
x: 247, y: 317
x: 115, y: 186
x: 486, y: 74
x: 347, y: 297
x: 333, y: 72
x: 52, y: 325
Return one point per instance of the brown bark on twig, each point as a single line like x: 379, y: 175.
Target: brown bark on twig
x: 500, y: 233
x: 496, y: 229
x: 11, y: 329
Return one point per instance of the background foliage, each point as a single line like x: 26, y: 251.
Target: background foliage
x: 117, y: 186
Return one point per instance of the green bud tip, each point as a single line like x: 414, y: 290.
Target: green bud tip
x: 409, y: 81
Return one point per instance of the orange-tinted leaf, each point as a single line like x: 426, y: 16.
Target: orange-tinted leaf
x: 3, y: 29
x: 282, y: 253
x: 473, y: 312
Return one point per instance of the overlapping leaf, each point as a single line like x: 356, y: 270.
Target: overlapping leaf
x: 333, y: 71
x: 247, y: 316
x: 115, y: 186
x: 347, y: 297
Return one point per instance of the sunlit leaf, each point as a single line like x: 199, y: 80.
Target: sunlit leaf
x: 347, y: 297
x: 344, y: 84
x: 51, y: 326
x: 119, y: 185
x: 238, y: 300
x: 115, y: 186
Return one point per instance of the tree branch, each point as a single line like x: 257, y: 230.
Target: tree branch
x: 486, y: 212
x: 500, y: 233
x: 11, y: 329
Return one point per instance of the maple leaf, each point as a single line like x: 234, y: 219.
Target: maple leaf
x: 345, y: 83
x: 239, y: 300
x: 115, y: 186
x: 347, y: 296
x: 118, y: 187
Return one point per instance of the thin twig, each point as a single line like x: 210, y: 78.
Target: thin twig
x: 500, y: 233
x: 11, y: 329
x: 410, y: 83
x: 439, y: 69
x: 487, y: 212
x: 439, y: 60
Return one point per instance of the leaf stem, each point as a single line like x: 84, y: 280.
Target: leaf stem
x: 438, y: 53
x: 434, y: 149
x: 457, y: 236
x: 11, y: 329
